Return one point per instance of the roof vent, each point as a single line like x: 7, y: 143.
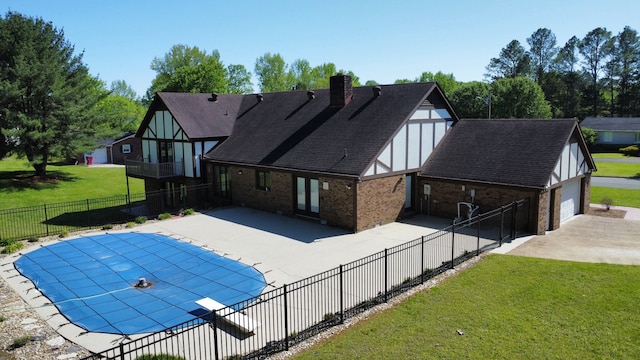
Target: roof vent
x: 377, y: 91
x: 311, y: 95
x: 260, y: 97
x: 213, y: 98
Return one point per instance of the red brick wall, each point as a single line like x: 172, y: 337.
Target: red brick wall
x: 119, y: 156
x: 445, y: 196
x: 380, y: 201
x: 278, y: 199
x: 337, y: 205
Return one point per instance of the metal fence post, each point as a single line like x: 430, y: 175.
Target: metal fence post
x: 514, y: 213
x: 341, y: 295
x: 286, y: 318
x: 422, y: 260
x: 478, y: 235
x: 46, y: 219
x: 215, y: 333
x: 121, y: 351
x: 88, y: 214
x: 386, y: 269
x: 453, y: 242
x: 501, y: 224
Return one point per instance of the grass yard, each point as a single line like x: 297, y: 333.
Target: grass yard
x: 597, y: 156
x: 507, y: 307
x: 19, y: 188
x: 617, y: 169
x: 620, y: 197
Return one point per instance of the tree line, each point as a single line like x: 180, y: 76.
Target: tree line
x: 50, y: 105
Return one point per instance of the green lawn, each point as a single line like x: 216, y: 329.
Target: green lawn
x: 18, y: 187
x: 507, y: 307
x: 620, y: 197
x: 597, y: 156
x: 617, y: 169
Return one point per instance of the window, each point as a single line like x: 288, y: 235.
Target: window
x: 607, y: 136
x: 263, y: 180
x: 126, y: 148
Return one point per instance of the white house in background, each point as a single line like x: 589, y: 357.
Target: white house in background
x: 614, y: 131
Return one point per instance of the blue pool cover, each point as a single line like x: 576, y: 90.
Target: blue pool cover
x: 91, y: 280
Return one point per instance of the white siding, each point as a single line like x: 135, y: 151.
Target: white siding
x: 399, y: 153
x: 565, y: 169
x: 440, y: 129
x: 413, y: 146
x: 427, y: 141
x: 189, y: 161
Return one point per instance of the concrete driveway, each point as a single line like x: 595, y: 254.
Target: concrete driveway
x: 587, y: 238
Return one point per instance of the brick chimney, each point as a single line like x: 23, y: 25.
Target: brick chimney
x: 340, y: 90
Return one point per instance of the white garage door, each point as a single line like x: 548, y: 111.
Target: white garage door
x: 570, y: 203
x: 99, y: 155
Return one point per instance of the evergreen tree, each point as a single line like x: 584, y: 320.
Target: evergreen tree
x: 47, y: 96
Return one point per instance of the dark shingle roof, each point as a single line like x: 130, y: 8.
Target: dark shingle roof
x: 196, y: 115
x: 289, y: 131
x: 612, y: 124
x: 510, y: 152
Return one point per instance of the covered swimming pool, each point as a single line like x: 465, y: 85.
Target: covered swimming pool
x: 132, y: 283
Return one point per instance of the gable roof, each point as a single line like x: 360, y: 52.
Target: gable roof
x: 291, y: 130
x: 517, y: 152
x: 611, y: 123
x: 197, y: 114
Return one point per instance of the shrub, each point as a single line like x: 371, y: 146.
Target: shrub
x: 631, y: 150
x: 32, y: 240
x: 2, y: 318
x: 140, y: 219
x: 20, y: 341
x: 164, y: 216
x: 186, y: 212
x: 64, y: 233
x: 607, y: 202
x: 131, y: 224
x: 107, y: 227
x: 11, y: 248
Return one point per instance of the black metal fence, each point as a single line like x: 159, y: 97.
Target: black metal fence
x: 298, y: 311
x: 66, y: 217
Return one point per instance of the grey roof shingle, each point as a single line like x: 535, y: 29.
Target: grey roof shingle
x: 289, y: 131
x: 196, y: 115
x: 518, y: 152
x: 611, y: 124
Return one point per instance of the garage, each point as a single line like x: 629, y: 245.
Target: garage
x: 99, y: 156
x: 570, y: 202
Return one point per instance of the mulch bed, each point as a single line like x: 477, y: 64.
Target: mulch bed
x: 611, y: 213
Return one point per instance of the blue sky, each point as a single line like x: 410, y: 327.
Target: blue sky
x: 377, y: 40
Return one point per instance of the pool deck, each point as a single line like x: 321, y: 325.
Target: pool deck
x: 284, y: 249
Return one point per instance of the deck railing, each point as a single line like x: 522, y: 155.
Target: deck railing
x: 154, y: 170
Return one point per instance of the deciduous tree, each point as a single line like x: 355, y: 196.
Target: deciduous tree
x: 519, y: 97
x: 272, y: 72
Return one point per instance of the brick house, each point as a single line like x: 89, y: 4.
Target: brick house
x: 489, y: 163
x: 351, y: 157
x: 113, y: 151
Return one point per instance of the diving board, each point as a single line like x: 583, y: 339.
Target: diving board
x: 233, y: 317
